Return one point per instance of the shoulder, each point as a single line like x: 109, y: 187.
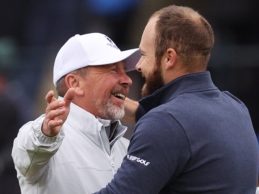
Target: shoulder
x: 158, y: 135
x: 159, y: 124
x: 235, y: 99
x: 163, y: 116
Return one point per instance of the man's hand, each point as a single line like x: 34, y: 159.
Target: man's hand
x: 131, y: 107
x: 57, y: 111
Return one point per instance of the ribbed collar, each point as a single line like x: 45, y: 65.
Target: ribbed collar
x: 185, y: 84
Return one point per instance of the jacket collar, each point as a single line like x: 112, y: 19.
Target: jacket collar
x: 90, y: 126
x: 188, y: 83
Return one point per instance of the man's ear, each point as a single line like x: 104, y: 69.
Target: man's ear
x: 71, y: 80
x: 169, y: 58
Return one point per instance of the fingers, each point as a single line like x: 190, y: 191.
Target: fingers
x: 71, y: 93
x: 54, y: 118
x: 57, y: 111
x: 55, y: 115
x: 52, y: 127
x: 54, y: 105
x: 50, y: 96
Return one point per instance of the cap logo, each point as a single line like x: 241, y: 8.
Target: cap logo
x: 111, y: 43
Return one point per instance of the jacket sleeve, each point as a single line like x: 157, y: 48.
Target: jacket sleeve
x: 157, y: 153
x: 32, y: 150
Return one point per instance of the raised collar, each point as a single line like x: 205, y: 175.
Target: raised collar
x: 185, y: 84
x: 90, y: 126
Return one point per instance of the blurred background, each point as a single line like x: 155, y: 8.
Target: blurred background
x: 32, y: 32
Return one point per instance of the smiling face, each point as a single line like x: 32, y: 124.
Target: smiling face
x: 147, y: 65
x: 105, y: 88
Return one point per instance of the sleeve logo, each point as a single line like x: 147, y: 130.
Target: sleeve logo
x: 139, y: 160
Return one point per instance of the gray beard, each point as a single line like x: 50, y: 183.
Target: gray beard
x: 113, y: 112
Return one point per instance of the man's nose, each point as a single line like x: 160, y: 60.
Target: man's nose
x: 138, y: 66
x: 126, y: 80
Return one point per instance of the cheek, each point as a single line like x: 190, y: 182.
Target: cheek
x: 150, y: 62
x: 99, y: 97
x: 104, y: 88
x: 149, y: 67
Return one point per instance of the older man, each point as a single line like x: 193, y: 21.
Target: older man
x: 77, y: 145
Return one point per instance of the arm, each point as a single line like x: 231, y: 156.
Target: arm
x: 38, y: 140
x: 131, y: 107
x: 32, y: 149
x: 158, y: 151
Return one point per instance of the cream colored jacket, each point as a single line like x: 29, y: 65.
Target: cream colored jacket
x: 80, y: 160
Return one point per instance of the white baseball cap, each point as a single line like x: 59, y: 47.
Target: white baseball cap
x: 91, y: 49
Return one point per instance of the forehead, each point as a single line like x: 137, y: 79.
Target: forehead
x: 148, y: 37
x: 119, y: 64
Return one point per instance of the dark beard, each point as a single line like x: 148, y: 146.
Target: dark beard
x: 153, y: 82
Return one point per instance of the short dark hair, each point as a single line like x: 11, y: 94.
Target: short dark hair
x: 186, y: 31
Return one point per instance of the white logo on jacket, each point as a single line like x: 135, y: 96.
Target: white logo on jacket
x: 139, y: 160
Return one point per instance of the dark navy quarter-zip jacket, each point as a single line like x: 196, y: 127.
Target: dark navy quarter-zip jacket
x: 190, y: 138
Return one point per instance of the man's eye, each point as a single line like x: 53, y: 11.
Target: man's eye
x: 114, y: 69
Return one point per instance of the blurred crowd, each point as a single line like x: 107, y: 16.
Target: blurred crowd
x: 32, y: 32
